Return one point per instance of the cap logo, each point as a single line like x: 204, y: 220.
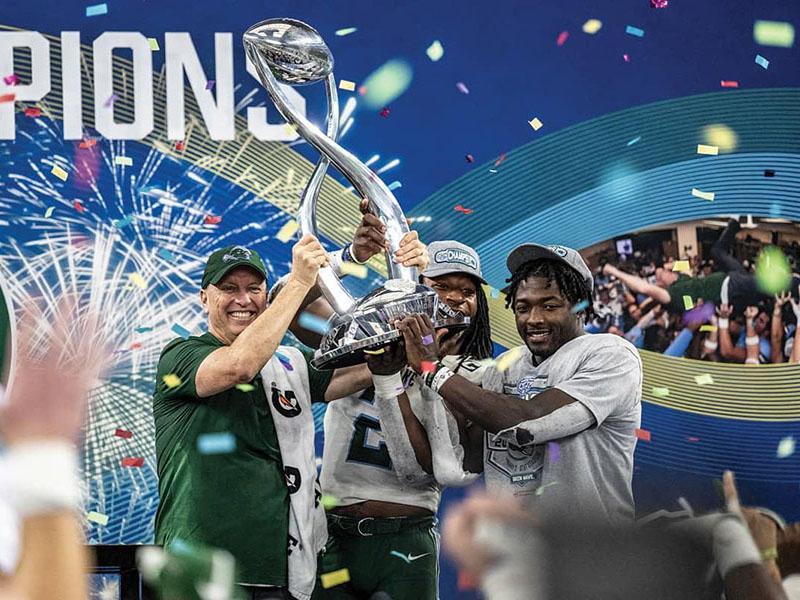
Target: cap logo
x: 560, y: 250
x: 237, y: 253
x: 456, y: 256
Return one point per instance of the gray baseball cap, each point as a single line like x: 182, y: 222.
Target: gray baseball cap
x: 528, y: 252
x: 450, y: 256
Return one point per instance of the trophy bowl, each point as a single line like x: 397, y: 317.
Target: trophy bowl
x: 295, y: 52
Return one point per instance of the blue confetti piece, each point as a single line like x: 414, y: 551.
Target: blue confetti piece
x: 166, y: 254
x: 313, y: 323
x: 494, y: 293
x: 143, y: 329
x: 216, y: 443
x: 120, y: 223
x: 395, y: 185
x: 287, y: 364
x: 631, y: 30
x: 579, y: 307
x: 634, y: 140
x: 97, y: 9
x: 181, y: 331
x: 761, y: 61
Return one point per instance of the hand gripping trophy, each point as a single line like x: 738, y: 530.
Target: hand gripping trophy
x: 291, y: 52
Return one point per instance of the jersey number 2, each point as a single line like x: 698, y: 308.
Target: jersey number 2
x: 361, y: 451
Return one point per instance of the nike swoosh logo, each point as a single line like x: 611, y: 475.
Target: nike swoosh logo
x: 410, y: 558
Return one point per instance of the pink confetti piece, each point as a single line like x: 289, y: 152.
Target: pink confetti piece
x: 132, y: 462
x: 33, y: 112
x: 136, y: 345
x: 692, y: 439
x: 11, y: 79
x: 123, y: 433
x: 643, y: 434
x: 462, y: 88
x: 626, y: 58
x: 500, y: 160
x: 212, y: 220
x: 659, y: 3
x: 562, y: 38
x: 461, y: 209
x: 470, y: 158
x: 427, y: 366
x: 385, y: 112
x: 729, y: 84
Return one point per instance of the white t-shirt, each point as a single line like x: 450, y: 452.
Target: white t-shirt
x: 586, y: 475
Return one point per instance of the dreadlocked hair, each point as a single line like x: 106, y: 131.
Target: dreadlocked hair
x: 571, y: 284
x: 476, y: 341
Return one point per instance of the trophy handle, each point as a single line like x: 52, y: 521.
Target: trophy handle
x: 366, y: 183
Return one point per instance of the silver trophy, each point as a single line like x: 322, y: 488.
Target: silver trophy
x: 287, y: 51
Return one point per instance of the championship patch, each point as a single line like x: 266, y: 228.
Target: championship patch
x: 451, y: 255
x: 293, y: 478
x: 285, y: 402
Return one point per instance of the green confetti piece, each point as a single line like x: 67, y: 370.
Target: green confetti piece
x: 688, y: 303
x: 245, y: 387
x: 387, y: 83
x: 329, y: 502
x: 773, y: 272
x: 786, y: 447
x: 660, y: 392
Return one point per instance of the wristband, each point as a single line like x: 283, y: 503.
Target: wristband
x: 769, y: 553
x: 732, y: 545
x: 752, y: 340
x: 347, y: 255
x: 710, y: 346
x: 40, y: 477
x: 388, y: 386
x: 751, y: 361
x: 439, y: 378
x: 722, y: 323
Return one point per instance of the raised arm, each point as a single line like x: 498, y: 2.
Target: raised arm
x: 795, y: 357
x: 751, y: 341
x: 639, y: 285
x: 726, y: 348
x: 776, y: 328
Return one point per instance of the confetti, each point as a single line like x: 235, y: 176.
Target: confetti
x: 137, y: 280
x: 356, y: 270
x: 643, y: 434
x: 97, y: 9
x: 78, y: 206
x: 135, y: 346
x: 769, y: 173
x: 385, y: 112
x: 773, y: 271
x: 346, y: 31
x: 427, y: 366
x: 500, y: 160
x: 659, y: 3
x: 33, y: 112
x: 592, y: 26
x: 709, y: 150
x: 245, y: 387
x: 286, y: 363
x: 704, y: 379
x: 459, y: 208
x: 96, y: 517
x: 726, y: 83
x: 435, y: 51
x: 626, y: 58
x: 59, y: 172
x: 88, y: 143
x: 634, y: 140
x: 635, y: 31
x: 216, y: 443
x: 179, y: 146
x: 682, y: 266
x: 709, y: 328
x: 762, y: 62
x: 494, y: 293
x: 778, y: 34
x: 329, y: 502
x: 660, y: 392
x: 153, y: 44
x: 786, y: 447
x: 111, y: 99
x: 470, y: 158
x: 703, y: 195
x: 535, y: 123
x: 125, y: 161
x: 313, y: 323
x: 49, y: 212
x: 122, y: 433
x: 507, y: 359
x: 375, y: 352
x: 722, y: 136
x: 348, y: 86
x: 288, y: 230
x: 143, y: 329
x: 582, y: 305
x: 334, y: 578
x: 210, y: 84
x: 387, y: 82
x: 562, y: 38
x: 541, y: 490
x: 7, y: 98
x: 124, y: 222
x: 132, y: 462
x: 12, y: 79
x: 395, y: 185
x: 171, y: 380
x: 688, y: 303
x: 461, y: 87
x: 180, y: 331
x: 692, y: 439
x: 166, y: 254
x: 553, y: 452
x: 212, y: 220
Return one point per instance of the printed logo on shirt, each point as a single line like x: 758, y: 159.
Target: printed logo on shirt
x: 293, y: 543
x: 529, y: 386
x: 285, y: 402
x: 293, y: 478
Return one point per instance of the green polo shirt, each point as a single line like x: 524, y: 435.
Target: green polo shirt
x: 707, y: 288
x: 236, y: 500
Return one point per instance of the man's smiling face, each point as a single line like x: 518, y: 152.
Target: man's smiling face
x: 234, y: 302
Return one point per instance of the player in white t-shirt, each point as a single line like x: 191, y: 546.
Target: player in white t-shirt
x: 386, y: 458
x: 561, y: 410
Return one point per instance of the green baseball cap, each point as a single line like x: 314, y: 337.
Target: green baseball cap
x: 222, y: 261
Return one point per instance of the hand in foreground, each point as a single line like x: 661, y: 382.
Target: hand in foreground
x: 57, y: 361
x: 725, y: 311
x: 419, y: 339
x: 370, y: 239
x: 388, y: 362
x: 308, y: 256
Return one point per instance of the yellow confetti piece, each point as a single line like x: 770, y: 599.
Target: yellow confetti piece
x: 506, y: 360
x: 704, y: 379
x: 49, y: 212
x: 125, y: 161
x: 681, y: 266
x: 348, y: 86
x: 334, y: 578
x: 660, y: 392
x: 245, y: 387
x: 171, y: 380
x: 375, y: 352
x: 710, y: 150
x: 535, y: 123
x: 329, y: 502
x: 435, y: 51
x: 288, y: 230
x: 708, y: 328
x: 153, y: 44
x: 137, y: 280
x: 60, y: 173
x: 779, y: 34
x: 96, y: 517
x: 350, y: 268
x: 592, y: 26
x: 703, y: 195
x: 688, y: 303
